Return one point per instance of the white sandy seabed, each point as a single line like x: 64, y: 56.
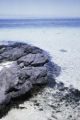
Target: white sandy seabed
x: 63, y: 45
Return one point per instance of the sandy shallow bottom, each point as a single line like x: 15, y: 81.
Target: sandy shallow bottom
x: 63, y: 45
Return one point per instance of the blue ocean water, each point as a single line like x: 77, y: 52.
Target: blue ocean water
x: 16, y: 23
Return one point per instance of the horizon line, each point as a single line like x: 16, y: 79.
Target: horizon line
x: 41, y: 18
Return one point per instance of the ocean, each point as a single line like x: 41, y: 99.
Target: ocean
x: 16, y: 23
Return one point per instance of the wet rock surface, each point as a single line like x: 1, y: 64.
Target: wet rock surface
x: 21, y: 67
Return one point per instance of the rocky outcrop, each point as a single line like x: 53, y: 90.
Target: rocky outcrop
x: 21, y: 66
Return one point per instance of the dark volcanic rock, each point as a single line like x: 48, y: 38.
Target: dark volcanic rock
x: 21, y: 66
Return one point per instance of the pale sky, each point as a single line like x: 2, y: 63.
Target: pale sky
x: 39, y: 8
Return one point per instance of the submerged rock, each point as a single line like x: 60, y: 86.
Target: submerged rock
x: 21, y: 66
